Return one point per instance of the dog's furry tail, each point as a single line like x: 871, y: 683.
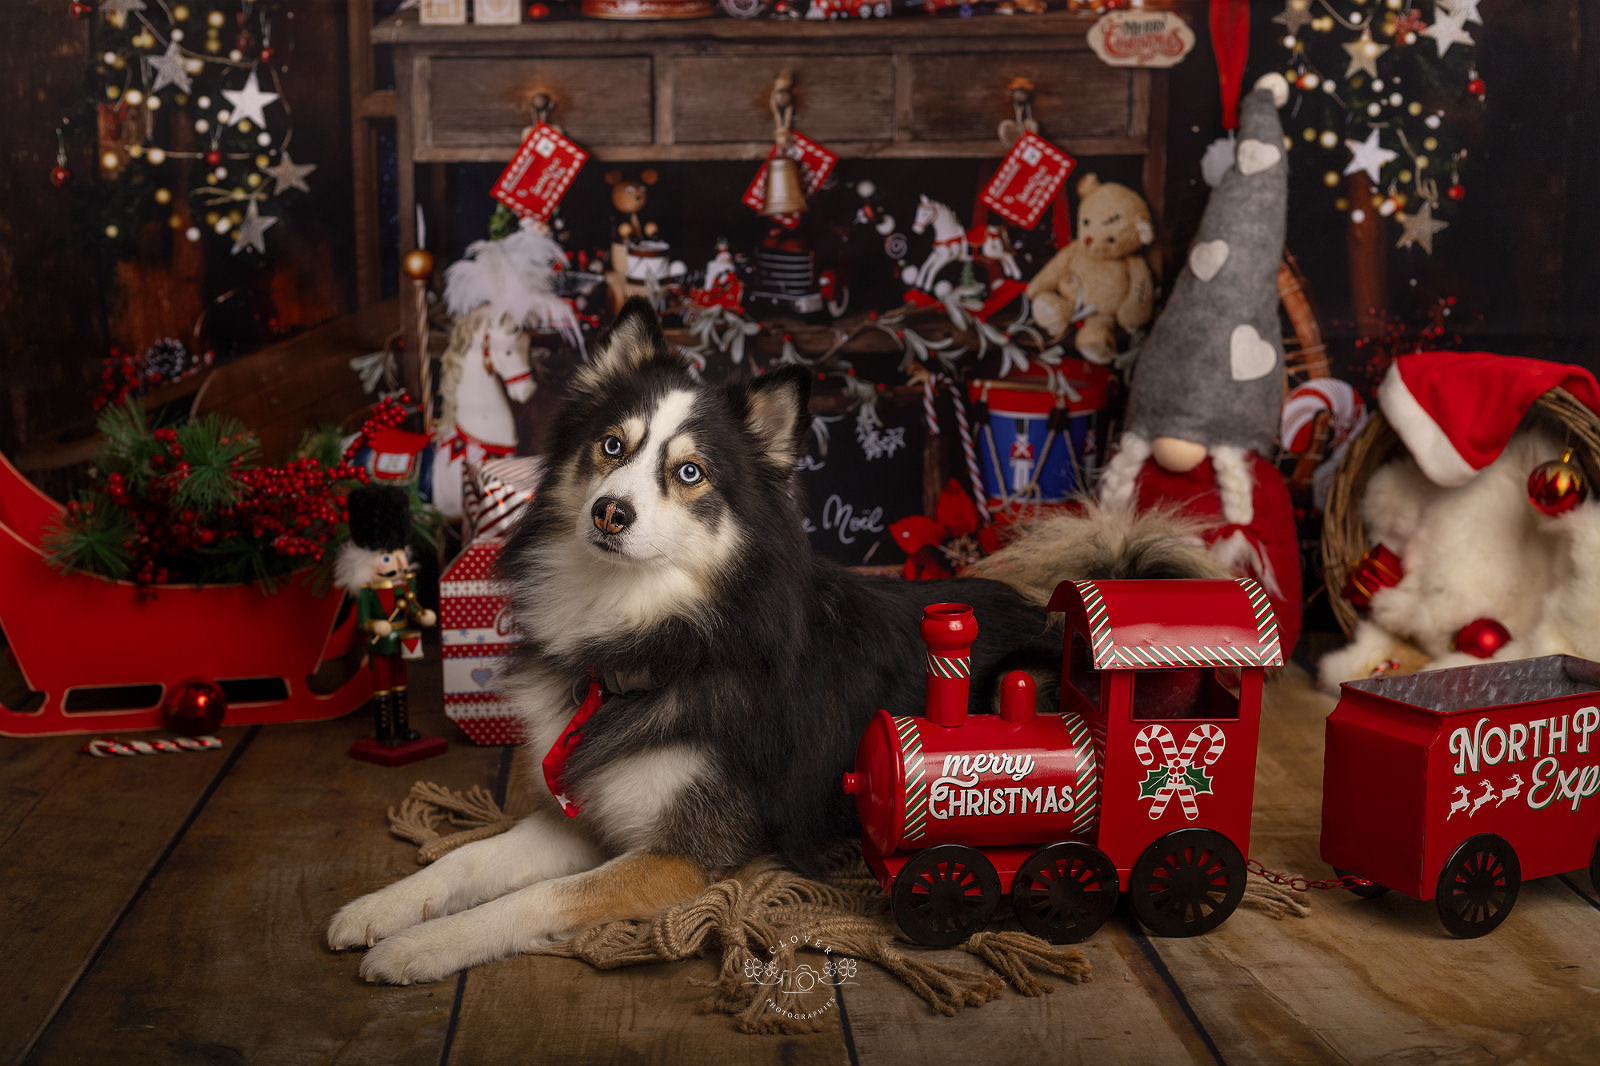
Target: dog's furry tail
x: 1097, y: 542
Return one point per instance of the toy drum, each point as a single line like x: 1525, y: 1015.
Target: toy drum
x: 410, y: 643
x: 1036, y: 433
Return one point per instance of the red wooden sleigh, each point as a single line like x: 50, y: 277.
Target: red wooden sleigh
x: 103, y: 659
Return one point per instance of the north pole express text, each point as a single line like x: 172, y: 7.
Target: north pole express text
x: 1542, y: 742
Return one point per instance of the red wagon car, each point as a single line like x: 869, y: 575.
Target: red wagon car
x: 1455, y: 785
x: 1141, y: 782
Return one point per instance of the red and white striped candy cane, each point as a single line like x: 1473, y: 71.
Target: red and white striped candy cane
x: 1176, y: 762
x: 106, y: 747
x: 970, y: 451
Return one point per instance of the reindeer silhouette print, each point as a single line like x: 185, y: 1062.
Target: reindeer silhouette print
x: 1463, y: 798
x: 1489, y: 793
x: 1513, y: 791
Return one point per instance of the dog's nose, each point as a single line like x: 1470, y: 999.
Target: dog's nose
x: 611, y: 515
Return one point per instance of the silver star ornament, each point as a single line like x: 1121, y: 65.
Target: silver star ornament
x: 120, y: 8
x: 1294, y: 16
x: 1419, y: 228
x: 247, y: 103
x: 287, y: 174
x: 1368, y: 155
x: 1448, y: 29
x: 252, y: 231
x: 168, y: 69
x: 1466, y: 10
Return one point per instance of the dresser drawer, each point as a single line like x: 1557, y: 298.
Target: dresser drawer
x: 724, y: 99
x: 472, y: 103
x: 963, y: 97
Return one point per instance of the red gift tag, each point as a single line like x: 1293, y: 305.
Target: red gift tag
x: 815, y: 163
x: 1028, y: 179
x: 538, y: 175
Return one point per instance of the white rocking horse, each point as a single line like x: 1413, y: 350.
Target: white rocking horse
x: 487, y: 350
x: 949, y: 242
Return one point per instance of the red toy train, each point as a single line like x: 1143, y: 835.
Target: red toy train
x: 1454, y: 785
x: 1143, y: 782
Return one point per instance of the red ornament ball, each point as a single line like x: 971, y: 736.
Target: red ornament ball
x: 1457, y: 192
x: 213, y: 157
x: 538, y: 11
x: 1476, y: 87
x: 1557, y: 486
x: 1481, y: 637
x: 195, y: 707
x: 59, y: 176
x: 79, y: 10
x: 266, y: 55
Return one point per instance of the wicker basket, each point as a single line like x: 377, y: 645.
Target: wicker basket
x: 1344, y: 534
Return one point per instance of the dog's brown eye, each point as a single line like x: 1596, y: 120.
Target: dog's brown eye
x: 690, y: 473
x: 611, y: 445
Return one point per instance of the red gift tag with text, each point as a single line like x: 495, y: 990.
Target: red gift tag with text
x: 815, y: 163
x: 537, y: 177
x: 1028, y: 179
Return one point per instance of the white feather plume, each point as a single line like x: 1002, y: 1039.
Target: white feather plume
x: 515, y: 276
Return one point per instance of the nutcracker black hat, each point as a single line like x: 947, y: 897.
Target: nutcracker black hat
x: 380, y: 517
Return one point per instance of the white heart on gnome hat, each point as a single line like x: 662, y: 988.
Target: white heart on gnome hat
x: 1256, y: 156
x: 1207, y: 257
x: 1250, y: 357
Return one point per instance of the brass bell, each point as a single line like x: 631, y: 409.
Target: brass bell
x: 783, y: 193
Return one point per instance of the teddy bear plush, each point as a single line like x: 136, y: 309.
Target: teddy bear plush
x: 1100, y: 277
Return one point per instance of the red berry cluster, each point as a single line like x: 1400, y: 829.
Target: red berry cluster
x: 121, y: 375
x: 390, y: 412
x: 289, y: 513
x: 296, y: 508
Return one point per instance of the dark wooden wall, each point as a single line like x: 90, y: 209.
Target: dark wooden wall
x: 62, y: 302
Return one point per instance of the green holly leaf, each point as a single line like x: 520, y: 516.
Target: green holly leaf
x: 1153, y: 784
x: 1197, y: 779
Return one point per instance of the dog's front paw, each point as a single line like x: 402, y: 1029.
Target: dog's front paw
x: 417, y: 956
x: 362, y: 923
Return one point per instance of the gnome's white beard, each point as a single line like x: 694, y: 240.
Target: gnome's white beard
x: 1236, y: 486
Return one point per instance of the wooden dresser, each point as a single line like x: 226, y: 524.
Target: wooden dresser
x: 906, y: 87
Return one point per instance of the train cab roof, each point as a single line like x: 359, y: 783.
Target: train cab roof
x: 1143, y: 625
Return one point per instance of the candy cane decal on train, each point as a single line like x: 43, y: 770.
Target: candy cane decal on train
x: 1140, y: 782
x: 1456, y: 785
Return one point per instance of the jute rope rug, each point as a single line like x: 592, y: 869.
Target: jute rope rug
x: 761, y: 917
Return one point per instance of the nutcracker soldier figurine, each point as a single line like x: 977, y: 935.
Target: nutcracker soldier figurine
x: 372, y: 567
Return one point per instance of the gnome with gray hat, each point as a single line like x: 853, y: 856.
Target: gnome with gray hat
x: 1204, y: 398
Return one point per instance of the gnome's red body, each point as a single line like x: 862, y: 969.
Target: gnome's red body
x: 1265, y: 548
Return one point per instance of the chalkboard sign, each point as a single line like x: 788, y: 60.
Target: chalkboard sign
x: 859, y: 477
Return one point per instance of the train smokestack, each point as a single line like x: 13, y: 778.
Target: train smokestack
x: 948, y: 629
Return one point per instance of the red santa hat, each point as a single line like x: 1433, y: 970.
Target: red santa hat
x: 1457, y: 411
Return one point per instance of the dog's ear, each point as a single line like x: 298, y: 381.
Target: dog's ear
x: 779, y: 415
x: 634, y: 339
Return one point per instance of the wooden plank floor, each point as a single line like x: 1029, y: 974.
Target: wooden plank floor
x: 169, y: 910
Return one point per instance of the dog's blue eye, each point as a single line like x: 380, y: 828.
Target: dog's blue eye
x: 689, y: 473
x: 612, y: 445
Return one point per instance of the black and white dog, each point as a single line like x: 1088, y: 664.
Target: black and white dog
x: 664, y: 588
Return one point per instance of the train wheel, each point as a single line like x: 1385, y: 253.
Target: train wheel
x: 1187, y: 882
x: 945, y: 894
x: 1478, y: 886
x: 1064, y: 892
x: 1372, y: 891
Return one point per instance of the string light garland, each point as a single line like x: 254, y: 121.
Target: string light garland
x: 1375, y: 82
x: 191, y: 124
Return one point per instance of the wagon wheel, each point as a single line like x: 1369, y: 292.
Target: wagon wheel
x: 1064, y: 892
x: 1187, y: 882
x: 1372, y: 891
x: 945, y: 894
x: 1478, y: 886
